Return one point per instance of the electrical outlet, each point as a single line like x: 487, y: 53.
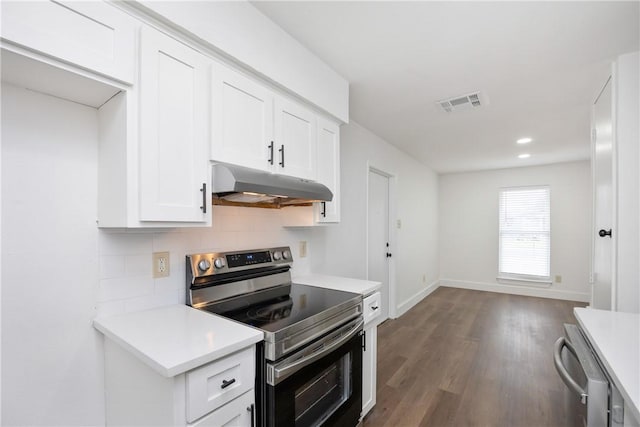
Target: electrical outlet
x: 399, y: 223
x: 558, y: 278
x: 160, y: 264
x: 303, y: 248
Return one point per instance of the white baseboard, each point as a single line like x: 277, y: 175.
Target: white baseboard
x: 517, y: 290
x: 415, y: 299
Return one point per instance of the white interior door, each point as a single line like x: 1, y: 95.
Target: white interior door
x: 378, y: 236
x: 602, y: 152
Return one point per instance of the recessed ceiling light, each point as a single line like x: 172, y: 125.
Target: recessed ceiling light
x: 524, y: 156
x: 524, y: 140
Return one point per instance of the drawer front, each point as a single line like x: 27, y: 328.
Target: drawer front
x: 92, y: 35
x: 238, y: 412
x: 372, y: 307
x: 211, y: 386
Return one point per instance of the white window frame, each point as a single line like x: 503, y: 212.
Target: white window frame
x: 521, y: 277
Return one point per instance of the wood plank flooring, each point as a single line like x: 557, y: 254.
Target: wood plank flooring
x: 471, y: 358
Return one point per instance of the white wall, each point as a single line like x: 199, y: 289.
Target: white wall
x: 340, y: 249
x: 468, y: 207
x: 51, y: 358
x: 627, y: 150
x: 59, y: 271
x: 125, y: 282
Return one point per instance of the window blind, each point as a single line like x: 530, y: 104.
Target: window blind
x: 525, y: 233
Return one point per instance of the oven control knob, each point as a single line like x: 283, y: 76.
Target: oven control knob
x: 204, y: 265
x: 286, y: 255
x: 277, y: 256
x: 219, y: 262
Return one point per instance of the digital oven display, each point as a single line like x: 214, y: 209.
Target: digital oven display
x: 239, y: 260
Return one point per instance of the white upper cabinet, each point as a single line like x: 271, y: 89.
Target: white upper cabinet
x: 328, y: 170
x: 242, y: 121
x: 91, y: 34
x: 153, y: 158
x: 174, y: 130
x: 255, y: 128
x: 295, y: 140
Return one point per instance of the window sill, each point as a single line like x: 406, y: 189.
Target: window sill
x: 542, y: 281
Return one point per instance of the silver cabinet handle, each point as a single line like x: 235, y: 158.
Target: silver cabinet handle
x: 251, y: 409
x: 203, y: 189
x: 562, y: 371
x: 281, y: 150
x: 227, y: 383
x: 270, y: 146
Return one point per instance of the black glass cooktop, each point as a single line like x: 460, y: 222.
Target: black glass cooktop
x: 282, y: 306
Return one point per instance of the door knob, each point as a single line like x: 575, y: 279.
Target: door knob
x: 604, y: 232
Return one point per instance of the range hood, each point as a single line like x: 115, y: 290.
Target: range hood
x: 240, y: 186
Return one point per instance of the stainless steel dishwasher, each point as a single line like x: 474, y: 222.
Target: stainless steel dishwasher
x: 593, y: 399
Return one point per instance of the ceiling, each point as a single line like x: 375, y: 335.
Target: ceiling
x: 539, y: 65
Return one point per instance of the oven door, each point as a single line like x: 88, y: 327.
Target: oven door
x: 320, y: 385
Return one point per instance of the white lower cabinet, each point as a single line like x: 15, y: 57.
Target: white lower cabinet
x: 369, y: 363
x: 214, y: 385
x: 371, y: 313
x: 238, y: 412
x: 219, y: 393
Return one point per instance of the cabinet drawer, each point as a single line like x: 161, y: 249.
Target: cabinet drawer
x: 371, y: 307
x: 236, y: 413
x: 211, y: 386
x: 92, y: 35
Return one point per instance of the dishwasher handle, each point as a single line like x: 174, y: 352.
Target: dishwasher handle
x: 562, y: 371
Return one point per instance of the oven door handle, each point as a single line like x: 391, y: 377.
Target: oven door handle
x: 279, y: 373
x: 562, y: 371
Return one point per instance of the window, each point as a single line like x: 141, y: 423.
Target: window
x: 525, y: 234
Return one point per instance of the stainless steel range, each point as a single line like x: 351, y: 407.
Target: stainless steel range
x: 309, y: 367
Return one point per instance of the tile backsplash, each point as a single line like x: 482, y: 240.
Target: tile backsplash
x: 125, y: 256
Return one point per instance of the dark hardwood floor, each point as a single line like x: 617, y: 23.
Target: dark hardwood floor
x: 471, y: 358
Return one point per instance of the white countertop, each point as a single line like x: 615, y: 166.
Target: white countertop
x: 358, y: 286
x: 177, y: 338
x: 615, y: 337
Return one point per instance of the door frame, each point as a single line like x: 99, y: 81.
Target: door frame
x: 393, y: 312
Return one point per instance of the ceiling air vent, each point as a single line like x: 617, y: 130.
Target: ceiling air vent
x: 462, y: 102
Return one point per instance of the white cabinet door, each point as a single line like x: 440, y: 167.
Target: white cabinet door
x: 216, y: 384
x: 328, y: 166
x: 174, y: 114
x: 369, y: 362
x: 242, y: 121
x: 237, y: 413
x: 295, y: 130
x: 90, y: 34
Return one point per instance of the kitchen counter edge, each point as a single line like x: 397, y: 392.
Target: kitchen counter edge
x: 358, y: 286
x: 175, y: 339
